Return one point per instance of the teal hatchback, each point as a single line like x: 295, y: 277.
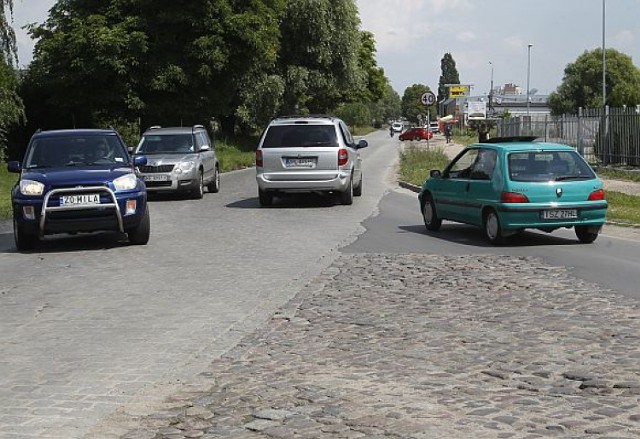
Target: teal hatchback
x: 506, y: 185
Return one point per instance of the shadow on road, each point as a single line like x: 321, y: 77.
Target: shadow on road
x: 290, y: 201
x: 69, y: 243
x: 470, y: 235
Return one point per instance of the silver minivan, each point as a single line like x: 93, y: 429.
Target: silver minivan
x: 308, y: 154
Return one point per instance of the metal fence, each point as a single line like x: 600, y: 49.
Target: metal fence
x: 609, y: 136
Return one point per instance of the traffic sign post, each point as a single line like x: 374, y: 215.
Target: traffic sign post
x: 427, y: 100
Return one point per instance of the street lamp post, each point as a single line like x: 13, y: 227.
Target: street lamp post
x: 491, y: 90
x: 528, y: 73
x: 604, y: 57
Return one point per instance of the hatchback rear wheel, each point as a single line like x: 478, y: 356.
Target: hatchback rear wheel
x: 584, y: 235
x: 492, y: 228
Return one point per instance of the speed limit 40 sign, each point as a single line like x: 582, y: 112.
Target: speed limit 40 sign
x: 428, y: 98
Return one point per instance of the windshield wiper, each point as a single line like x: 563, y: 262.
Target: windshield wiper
x: 72, y: 163
x: 38, y: 166
x: 571, y: 177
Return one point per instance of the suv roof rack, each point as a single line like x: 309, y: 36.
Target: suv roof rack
x: 154, y: 127
x: 306, y: 116
x: 509, y: 139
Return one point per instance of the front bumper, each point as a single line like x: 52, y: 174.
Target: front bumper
x: 170, y: 182
x: 114, y: 212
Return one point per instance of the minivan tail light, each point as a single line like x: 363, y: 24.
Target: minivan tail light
x: 343, y: 157
x: 259, y: 158
x: 597, y: 195
x: 513, y: 197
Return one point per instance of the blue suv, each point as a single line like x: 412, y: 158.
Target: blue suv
x: 80, y: 180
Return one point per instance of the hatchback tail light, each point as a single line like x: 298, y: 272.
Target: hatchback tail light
x: 597, y: 195
x: 343, y: 157
x: 259, y: 158
x: 513, y: 197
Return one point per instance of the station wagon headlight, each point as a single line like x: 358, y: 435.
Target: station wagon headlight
x: 126, y: 182
x: 31, y: 187
x: 184, y: 167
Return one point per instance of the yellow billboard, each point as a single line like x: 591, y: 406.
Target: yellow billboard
x: 459, y: 91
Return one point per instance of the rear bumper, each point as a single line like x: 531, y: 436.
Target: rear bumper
x: 518, y: 216
x: 337, y: 181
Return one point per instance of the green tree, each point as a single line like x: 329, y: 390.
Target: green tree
x: 11, y: 106
x: 582, y: 83
x: 412, y: 108
x: 449, y: 75
x: 319, y: 57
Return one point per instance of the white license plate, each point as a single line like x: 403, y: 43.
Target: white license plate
x: 156, y: 177
x: 560, y: 214
x: 300, y: 163
x: 80, y: 200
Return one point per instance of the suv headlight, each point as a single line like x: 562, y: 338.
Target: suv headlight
x: 126, y: 182
x: 184, y: 167
x: 31, y: 187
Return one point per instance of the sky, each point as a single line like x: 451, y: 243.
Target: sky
x: 482, y: 36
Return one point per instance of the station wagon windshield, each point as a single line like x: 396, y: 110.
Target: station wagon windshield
x: 166, y: 144
x: 548, y: 166
x: 292, y: 136
x: 68, y: 151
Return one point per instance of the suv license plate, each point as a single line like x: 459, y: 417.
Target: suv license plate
x: 80, y: 200
x: 300, y: 162
x: 560, y: 214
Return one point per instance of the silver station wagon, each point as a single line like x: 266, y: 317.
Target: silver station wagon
x: 308, y: 154
x: 179, y: 160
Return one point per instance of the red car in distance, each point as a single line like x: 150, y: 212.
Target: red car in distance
x: 416, y: 134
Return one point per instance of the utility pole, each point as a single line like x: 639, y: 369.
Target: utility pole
x: 491, y: 90
x: 528, y: 73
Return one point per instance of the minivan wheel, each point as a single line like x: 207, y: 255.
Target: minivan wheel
x: 24, y: 240
x: 584, y: 235
x: 429, y: 215
x: 357, y: 191
x: 492, y: 228
x: 346, y: 197
x: 265, y: 198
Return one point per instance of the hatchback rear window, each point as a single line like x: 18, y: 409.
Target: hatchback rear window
x: 291, y: 136
x: 548, y: 166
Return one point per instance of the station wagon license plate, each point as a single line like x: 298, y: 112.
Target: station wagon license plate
x: 306, y: 162
x: 79, y: 200
x: 560, y: 214
x: 156, y: 178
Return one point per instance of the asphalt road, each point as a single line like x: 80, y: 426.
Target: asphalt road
x: 91, y: 328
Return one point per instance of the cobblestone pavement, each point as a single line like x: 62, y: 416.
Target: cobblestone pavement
x: 425, y: 346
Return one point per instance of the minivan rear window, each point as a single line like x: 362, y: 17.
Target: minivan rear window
x: 292, y: 136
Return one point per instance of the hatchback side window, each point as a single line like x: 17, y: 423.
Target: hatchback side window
x: 485, y: 164
x: 461, y: 167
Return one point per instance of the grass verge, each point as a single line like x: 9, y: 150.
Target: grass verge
x: 415, y: 164
x: 7, y: 181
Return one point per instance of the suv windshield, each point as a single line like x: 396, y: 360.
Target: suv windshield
x: 165, y: 144
x: 79, y: 150
x: 548, y: 166
x: 291, y: 136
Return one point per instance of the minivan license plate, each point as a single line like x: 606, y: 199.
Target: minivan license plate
x: 80, y: 200
x: 309, y: 162
x: 560, y: 214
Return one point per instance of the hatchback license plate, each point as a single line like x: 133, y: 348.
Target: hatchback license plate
x: 80, y: 200
x: 308, y: 162
x: 560, y: 214
x: 156, y: 178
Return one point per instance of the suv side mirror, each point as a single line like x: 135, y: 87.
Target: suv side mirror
x: 362, y: 144
x: 14, y: 167
x: 204, y: 148
x: 139, y: 160
x: 130, y: 149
